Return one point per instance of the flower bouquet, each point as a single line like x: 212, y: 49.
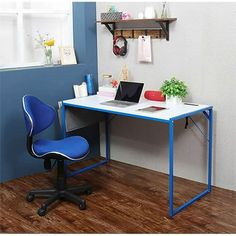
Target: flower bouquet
x: 45, y: 42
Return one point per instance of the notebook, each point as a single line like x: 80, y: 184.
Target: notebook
x: 128, y: 93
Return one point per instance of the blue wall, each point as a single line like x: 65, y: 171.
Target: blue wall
x: 50, y: 84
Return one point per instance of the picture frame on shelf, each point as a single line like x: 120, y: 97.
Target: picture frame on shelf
x: 67, y: 55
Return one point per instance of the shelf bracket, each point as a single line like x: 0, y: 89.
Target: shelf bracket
x: 111, y: 29
x: 165, y: 29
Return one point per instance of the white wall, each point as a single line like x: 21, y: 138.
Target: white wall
x: 202, y: 52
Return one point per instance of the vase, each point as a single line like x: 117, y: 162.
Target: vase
x: 173, y: 101
x: 149, y: 13
x: 48, y: 56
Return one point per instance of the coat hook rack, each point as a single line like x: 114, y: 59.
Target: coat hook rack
x: 156, y: 28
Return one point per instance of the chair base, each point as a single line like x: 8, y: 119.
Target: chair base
x: 56, y: 194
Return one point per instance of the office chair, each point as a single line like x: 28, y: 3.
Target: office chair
x: 38, y: 117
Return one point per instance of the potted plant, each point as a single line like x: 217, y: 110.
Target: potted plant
x: 174, y: 90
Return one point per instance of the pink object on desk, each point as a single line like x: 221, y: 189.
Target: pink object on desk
x: 106, y: 94
x: 154, y: 95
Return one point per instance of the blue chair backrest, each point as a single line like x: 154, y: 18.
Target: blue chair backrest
x: 38, y: 115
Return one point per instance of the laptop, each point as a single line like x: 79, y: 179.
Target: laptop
x: 128, y: 94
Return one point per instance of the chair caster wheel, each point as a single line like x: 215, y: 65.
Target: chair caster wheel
x: 42, y: 211
x: 82, y: 205
x: 88, y: 191
x: 30, y: 197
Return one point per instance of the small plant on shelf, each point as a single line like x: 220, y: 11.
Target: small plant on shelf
x: 174, y: 88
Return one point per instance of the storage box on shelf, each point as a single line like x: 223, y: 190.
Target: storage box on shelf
x: 110, y: 16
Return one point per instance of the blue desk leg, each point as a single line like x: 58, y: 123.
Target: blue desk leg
x: 63, y: 121
x: 173, y: 211
x: 171, y: 168
x: 63, y: 128
x: 107, y: 133
x: 210, y: 137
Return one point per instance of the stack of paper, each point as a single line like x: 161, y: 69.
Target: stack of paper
x: 106, y: 91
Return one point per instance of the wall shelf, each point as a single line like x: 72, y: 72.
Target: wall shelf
x: 133, y: 28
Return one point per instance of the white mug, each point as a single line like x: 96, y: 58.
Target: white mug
x: 150, y: 13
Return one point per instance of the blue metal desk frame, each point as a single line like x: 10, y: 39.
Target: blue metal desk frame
x: 208, y: 113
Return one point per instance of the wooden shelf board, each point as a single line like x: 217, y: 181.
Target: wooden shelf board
x: 138, y: 20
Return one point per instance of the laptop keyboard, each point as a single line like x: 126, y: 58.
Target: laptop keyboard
x: 119, y: 103
x: 122, y: 102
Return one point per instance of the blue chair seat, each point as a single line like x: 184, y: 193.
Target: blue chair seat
x: 73, y: 148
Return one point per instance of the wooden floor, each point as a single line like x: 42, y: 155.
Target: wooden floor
x: 126, y: 199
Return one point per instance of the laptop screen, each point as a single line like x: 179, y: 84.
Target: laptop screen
x: 129, y: 91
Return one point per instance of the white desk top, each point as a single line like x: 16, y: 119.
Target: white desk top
x: 173, y: 113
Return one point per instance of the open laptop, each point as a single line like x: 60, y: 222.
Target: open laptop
x: 128, y: 93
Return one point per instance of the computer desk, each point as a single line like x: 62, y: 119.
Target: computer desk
x: 168, y: 116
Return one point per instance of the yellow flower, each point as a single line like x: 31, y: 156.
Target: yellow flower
x: 49, y: 43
